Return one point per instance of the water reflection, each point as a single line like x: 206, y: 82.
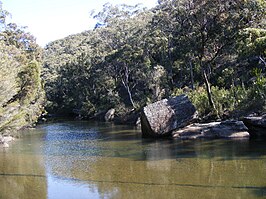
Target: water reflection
x: 118, y: 162
x: 81, y: 160
x: 22, y: 174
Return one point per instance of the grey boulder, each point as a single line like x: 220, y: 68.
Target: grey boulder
x: 162, y: 117
x: 257, y: 125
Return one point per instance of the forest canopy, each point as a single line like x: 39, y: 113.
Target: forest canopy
x: 214, y: 51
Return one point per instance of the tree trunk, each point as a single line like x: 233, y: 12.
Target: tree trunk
x: 129, y: 94
x: 170, y: 66
x: 191, y: 75
x: 126, y: 86
x: 262, y: 60
x: 208, y: 89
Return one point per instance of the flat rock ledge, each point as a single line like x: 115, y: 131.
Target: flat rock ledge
x: 5, y: 140
x: 213, y: 130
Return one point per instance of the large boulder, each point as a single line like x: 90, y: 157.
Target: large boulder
x: 226, y: 129
x: 162, y: 117
x: 256, y: 124
x: 109, y: 116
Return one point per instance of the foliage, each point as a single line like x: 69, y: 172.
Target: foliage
x: 21, y: 90
x: 111, y: 70
x: 256, y: 96
x: 136, y: 56
x: 214, y: 51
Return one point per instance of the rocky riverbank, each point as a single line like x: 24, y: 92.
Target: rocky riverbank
x: 175, y: 117
x: 5, y: 141
x: 256, y: 124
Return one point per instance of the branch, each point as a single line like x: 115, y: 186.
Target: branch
x: 263, y: 61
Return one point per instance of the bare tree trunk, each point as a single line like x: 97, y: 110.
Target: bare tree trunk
x: 126, y: 86
x: 129, y: 93
x: 170, y: 67
x: 130, y: 97
x: 191, y: 75
x: 208, y: 89
x: 262, y: 60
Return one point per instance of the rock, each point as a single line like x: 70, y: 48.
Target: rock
x: 7, y: 139
x: 138, y: 123
x: 4, y: 140
x: 109, y: 116
x: 5, y: 145
x: 226, y: 129
x: 256, y: 124
x: 99, y: 115
x: 162, y: 117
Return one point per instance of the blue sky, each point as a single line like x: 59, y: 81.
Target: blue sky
x: 49, y: 20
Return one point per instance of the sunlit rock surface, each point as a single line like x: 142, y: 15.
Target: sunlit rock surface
x: 162, y: 117
x: 226, y: 129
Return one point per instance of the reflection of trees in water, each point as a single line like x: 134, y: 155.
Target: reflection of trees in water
x: 22, y: 176
x: 118, y: 164
x: 166, y: 169
x: 22, y: 170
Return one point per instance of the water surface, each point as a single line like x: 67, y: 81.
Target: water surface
x: 99, y: 160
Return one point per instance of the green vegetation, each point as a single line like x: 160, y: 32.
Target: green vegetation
x: 21, y: 91
x: 215, y: 51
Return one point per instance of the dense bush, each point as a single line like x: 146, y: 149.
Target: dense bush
x: 22, y: 96
x: 135, y: 56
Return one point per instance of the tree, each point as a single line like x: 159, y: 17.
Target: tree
x: 207, y: 30
x: 135, y: 56
x: 22, y: 96
x: 252, y: 43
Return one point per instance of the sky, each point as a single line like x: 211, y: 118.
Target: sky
x: 49, y: 20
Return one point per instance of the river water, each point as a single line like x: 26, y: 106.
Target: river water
x: 83, y: 160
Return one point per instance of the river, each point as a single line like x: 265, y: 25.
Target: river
x: 83, y: 160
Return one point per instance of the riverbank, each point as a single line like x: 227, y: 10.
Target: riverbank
x: 249, y: 127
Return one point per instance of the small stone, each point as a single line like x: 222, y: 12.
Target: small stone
x: 109, y: 116
x: 5, y: 145
x: 7, y: 139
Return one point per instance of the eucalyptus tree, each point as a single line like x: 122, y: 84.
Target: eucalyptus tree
x: 124, y: 32
x: 132, y: 53
x: 252, y: 43
x: 206, y: 31
x: 21, y: 92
